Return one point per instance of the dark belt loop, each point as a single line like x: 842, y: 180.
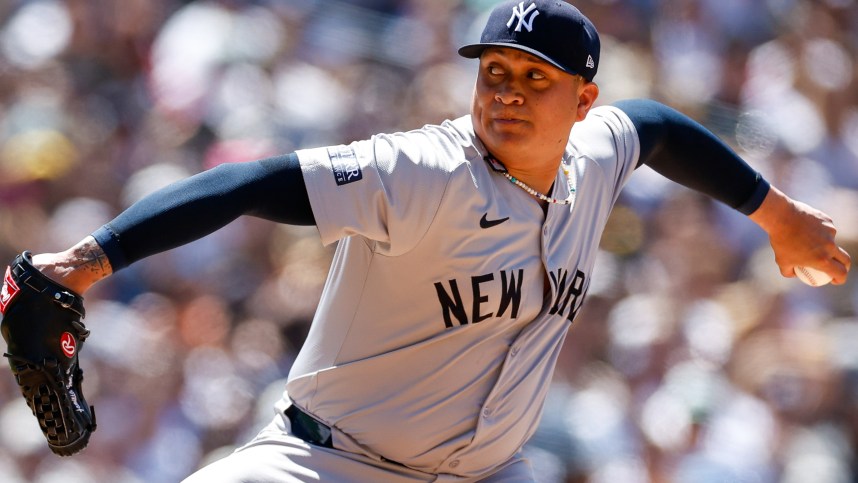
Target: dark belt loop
x: 308, y: 428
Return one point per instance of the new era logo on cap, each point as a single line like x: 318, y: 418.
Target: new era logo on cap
x: 552, y: 30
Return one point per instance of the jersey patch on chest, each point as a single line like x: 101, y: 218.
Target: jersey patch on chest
x: 345, y: 165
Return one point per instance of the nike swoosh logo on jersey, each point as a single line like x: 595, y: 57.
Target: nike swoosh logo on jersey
x: 486, y: 223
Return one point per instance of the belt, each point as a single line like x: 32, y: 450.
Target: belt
x: 308, y: 428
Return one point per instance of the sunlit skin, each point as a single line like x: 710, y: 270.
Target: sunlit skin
x: 523, y: 109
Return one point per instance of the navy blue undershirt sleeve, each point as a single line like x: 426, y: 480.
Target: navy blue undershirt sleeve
x: 679, y: 148
x: 192, y: 208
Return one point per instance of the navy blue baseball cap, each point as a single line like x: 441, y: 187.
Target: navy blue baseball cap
x: 553, y: 30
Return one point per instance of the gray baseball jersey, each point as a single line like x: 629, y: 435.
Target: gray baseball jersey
x: 450, y: 292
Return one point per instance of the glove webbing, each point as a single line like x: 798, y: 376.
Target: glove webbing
x: 49, y: 401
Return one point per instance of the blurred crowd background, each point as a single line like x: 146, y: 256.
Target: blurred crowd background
x: 693, y: 359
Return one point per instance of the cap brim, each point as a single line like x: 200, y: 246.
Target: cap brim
x: 473, y: 51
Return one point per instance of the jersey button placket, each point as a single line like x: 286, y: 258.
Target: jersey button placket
x: 546, y: 237
x: 454, y: 463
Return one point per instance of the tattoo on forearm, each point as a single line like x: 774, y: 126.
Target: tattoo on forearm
x: 93, y: 260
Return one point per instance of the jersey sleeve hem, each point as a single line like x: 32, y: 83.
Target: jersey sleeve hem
x: 312, y: 169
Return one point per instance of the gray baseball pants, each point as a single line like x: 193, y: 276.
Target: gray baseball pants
x: 275, y: 456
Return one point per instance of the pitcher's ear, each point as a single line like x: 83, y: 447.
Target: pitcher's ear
x: 588, y: 92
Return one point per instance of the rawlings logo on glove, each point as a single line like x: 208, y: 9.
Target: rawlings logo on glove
x: 44, y: 333
x: 68, y: 344
x: 8, y: 292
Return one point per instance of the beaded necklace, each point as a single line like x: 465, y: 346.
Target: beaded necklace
x: 500, y: 168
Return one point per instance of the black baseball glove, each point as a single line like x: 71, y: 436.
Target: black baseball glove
x: 44, y: 333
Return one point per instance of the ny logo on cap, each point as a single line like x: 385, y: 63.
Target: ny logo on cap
x: 521, y: 13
